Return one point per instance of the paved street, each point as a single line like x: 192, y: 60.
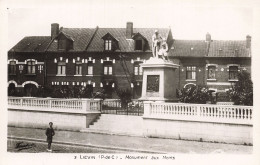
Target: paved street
x: 25, y: 146
x: 68, y: 141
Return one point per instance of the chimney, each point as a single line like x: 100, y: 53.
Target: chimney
x: 129, y: 30
x: 248, y: 41
x: 208, y: 41
x: 54, y: 30
x: 208, y: 37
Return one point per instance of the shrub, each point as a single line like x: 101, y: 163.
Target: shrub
x: 194, y: 94
x: 99, y: 94
x: 241, y: 92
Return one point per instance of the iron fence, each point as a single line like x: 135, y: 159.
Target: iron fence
x: 114, y: 106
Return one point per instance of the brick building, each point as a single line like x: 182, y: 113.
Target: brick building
x: 109, y: 59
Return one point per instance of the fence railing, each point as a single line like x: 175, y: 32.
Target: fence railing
x: 114, y: 106
x: 53, y: 104
x: 200, y: 112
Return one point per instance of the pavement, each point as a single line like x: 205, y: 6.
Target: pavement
x: 82, y: 142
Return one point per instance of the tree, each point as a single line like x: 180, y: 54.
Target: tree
x: 125, y: 96
x: 241, y: 92
x: 194, y: 94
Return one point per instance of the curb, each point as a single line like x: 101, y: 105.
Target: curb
x: 110, y: 133
x: 89, y: 145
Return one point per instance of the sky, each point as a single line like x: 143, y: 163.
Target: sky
x: 187, y: 20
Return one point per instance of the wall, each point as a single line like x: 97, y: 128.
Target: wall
x: 21, y: 77
x: 222, y: 74
x: 199, y: 131
x: 40, y: 119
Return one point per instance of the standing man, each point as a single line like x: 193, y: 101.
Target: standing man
x: 156, y: 42
x: 49, y: 133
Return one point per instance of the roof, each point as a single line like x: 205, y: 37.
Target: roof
x: 80, y: 36
x: 90, y: 39
x: 32, y: 44
x: 188, y: 48
x: 229, y: 48
x: 125, y: 45
x: 217, y: 48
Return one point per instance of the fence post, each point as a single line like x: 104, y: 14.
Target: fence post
x: 147, y: 108
x: 21, y: 102
x: 50, y: 102
x: 85, y: 105
x: 138, y: 108
x: 117, y: 104
x: 198, y: 110
x: 100, y: 104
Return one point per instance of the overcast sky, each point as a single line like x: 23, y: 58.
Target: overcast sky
x: 187, y: 20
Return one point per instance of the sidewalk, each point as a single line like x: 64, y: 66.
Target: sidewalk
x: 127, y: 143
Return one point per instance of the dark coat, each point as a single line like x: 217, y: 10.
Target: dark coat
x: 49, y: 133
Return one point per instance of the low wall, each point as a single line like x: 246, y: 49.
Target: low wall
x: 225, y: 124
x: 66, y: 114
x: 199, y: 131
x: 41, y: 119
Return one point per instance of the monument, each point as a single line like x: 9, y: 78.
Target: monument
x: 159, y: 74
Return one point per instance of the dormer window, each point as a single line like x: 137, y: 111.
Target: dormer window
x: 65, y: 42
x: 108, y: 44
x: 140, y: 42
x: 62, y: 44
x: 138, y: 45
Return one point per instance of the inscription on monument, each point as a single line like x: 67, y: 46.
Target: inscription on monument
x: 153, y: 83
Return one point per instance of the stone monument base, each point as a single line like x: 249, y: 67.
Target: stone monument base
x: 159, y: 80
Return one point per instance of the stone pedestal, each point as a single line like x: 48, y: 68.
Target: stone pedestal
x: 159, y: 80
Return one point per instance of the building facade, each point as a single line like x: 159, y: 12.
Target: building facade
x: 108, y: 59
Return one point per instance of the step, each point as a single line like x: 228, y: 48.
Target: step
x: 117, y: 124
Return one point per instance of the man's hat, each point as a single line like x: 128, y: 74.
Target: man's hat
x: 156, y: 31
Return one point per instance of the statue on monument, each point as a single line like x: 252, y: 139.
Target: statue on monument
x: 159, y: 46
x: 163, y: 50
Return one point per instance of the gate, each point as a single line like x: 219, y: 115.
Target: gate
x: 114, y: 106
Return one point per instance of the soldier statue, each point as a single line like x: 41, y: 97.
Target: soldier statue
x: 156, y: 42
x: 159, y: 46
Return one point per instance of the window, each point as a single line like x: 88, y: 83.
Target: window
x: 78, y: 68
x: 233, y: 70
x: 62, y: 44
x: 138, y: 45
x: 107, y: 70
x: 211, y: 72
x: 30, y: 67
x: 90, y: 68
x: 138, y: 70
x: 12, y: 67
x: 108, y: 44
x: 61, y: 70
x: 191, y: 72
